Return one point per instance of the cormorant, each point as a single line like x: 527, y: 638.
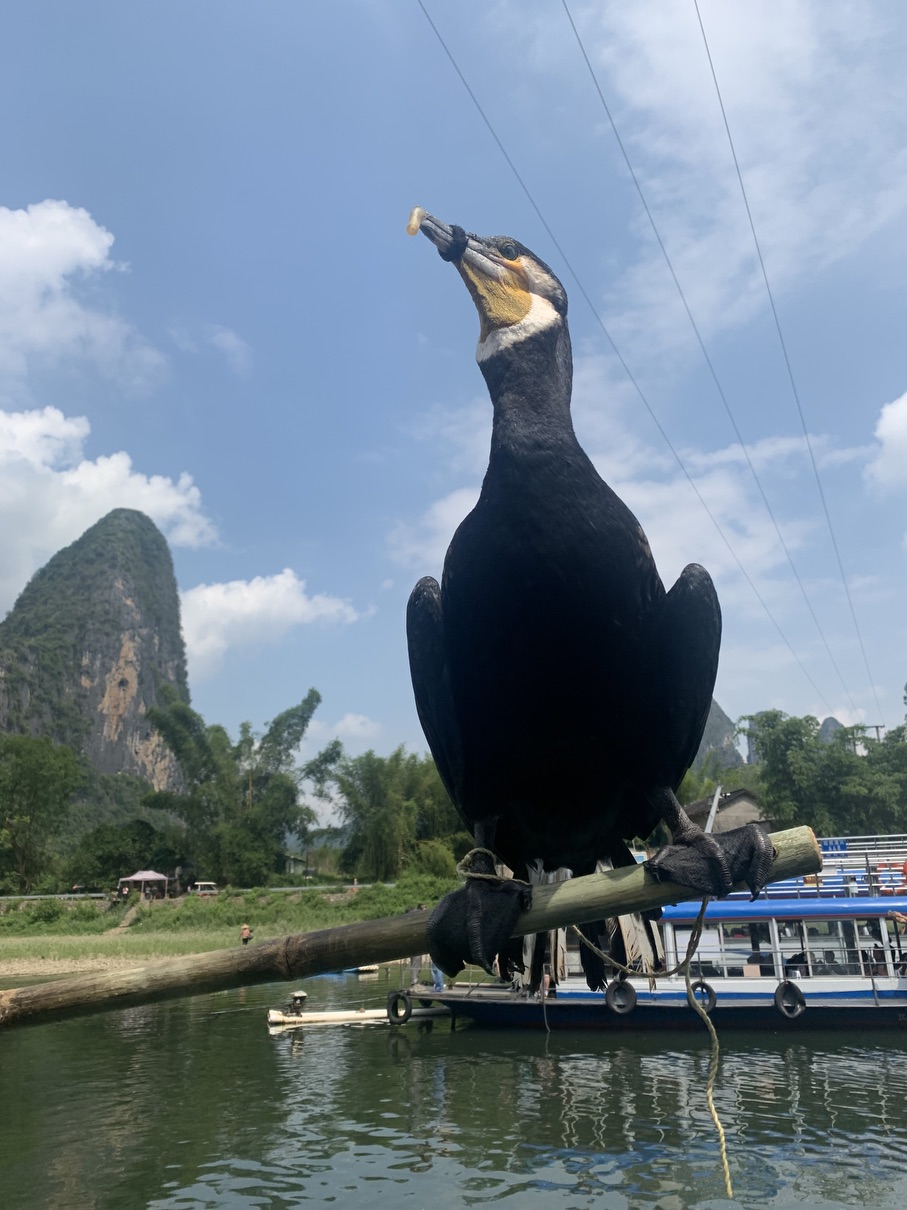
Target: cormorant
x: 563, y: 692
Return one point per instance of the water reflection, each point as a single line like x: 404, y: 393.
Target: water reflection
x: 193, y: 1105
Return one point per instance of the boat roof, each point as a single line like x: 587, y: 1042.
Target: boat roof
x: 860, y: 907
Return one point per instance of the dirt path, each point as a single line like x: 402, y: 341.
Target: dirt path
x: 125, y: 922
x: 51, y: 968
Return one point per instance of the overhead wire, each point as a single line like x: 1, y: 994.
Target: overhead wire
x: 788, y: 365
x: 705, y: 353
x: 623, y: 363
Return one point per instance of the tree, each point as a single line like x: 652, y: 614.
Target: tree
x: 854, y: 785
x: 396, y: 809
x: 37, y: 780
x: 240, y: 800
x: 701, y: 782
x: 109, y: 852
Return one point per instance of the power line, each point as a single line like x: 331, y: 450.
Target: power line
x: 706, y: 356
x: 617, y: 352
x: 787, y: 363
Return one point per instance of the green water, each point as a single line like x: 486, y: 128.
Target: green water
x: 192, y: 1104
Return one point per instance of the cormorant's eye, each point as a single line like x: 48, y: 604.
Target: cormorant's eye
x: 508, y: 249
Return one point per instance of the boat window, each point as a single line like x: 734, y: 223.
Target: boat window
x: 813, y: 948
x: 867, y: 947
x: 897, y: 938
x: 730, y: 949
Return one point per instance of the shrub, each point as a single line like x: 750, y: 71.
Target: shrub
x: 47, y: 911
x: 433, y: 857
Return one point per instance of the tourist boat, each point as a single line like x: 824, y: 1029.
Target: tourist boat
x: 774, y: 964
x: 778, y: 963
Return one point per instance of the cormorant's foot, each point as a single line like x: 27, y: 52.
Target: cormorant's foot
x: 475, y: 923
x: 750, y: 853
x: 714, y: 864
x: 694, y: 860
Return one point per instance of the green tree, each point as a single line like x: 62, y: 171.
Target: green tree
x: 240, y: 800
x: 853, y: 786
x: 109, y: 852
x: 37, y: 780
x: 396, y: 809
x: 701, y: 782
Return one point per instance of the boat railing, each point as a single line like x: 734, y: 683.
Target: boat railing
x: 852, y: 865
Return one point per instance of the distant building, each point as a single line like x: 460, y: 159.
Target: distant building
x: 735, y: 808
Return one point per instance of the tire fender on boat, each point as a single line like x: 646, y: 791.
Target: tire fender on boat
x: 399, y: 1008
x: 789, y: 1000
x: 708, y: 992
x: 620, y: 997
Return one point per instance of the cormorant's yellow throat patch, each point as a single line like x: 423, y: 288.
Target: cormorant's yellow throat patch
x: 501, y: 301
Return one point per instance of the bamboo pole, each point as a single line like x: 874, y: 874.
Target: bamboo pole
x: 575, y: 901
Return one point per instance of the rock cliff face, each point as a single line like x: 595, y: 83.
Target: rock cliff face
x: 718, y: 737
x: 88, y: 644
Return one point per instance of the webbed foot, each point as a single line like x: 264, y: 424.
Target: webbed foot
x: 475, y: 923
x: 714, y: 864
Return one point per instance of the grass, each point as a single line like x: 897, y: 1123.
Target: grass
x: 140, y: 948
x: 55, y: 929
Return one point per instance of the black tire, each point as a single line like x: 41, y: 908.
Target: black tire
x: 620, y: 997
x: 426, y: 1003
x: 789, y: 1000
x: 708, y: 991
x: 399, y: 1008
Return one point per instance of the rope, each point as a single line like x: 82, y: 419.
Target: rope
x: 683, y: 967
x: 465, y: 871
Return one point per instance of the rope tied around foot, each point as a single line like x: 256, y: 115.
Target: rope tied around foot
x: 475, y: 865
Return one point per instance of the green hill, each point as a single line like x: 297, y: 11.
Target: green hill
x: 88, y: 643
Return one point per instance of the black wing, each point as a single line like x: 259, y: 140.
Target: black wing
x: 683, y: 663
x: 431, y: 686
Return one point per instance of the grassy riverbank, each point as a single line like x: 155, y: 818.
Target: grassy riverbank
x: 41, y: 938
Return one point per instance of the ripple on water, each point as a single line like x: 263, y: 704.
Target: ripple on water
x: 192, y: 1105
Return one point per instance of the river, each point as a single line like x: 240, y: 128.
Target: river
x: 191, y: 1104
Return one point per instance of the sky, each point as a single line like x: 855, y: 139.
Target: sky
x: 210, y: 311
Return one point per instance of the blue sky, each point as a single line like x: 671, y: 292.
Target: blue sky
x: 209, y: 310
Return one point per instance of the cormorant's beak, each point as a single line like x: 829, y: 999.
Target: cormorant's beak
x: 498, y: 287
x: 451, y: 242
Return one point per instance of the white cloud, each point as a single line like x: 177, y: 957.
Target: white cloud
x: 50, y: 494
x: 423, y: 545
x: 46, y: 250
x: 244, y: 612
x: 820, y: 147
x: 236, y: 351
x: 888, y: 468
x: 355, y: 729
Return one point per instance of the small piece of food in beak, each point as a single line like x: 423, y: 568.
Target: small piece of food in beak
x: 417, y: 214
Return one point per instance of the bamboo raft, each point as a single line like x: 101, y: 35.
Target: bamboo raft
x: 359, y: 1016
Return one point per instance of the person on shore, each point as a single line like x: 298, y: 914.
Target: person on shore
x: 245, y: 934
x: 417, y: 960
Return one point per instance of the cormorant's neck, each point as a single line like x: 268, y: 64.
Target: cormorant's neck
x: 530, y: 385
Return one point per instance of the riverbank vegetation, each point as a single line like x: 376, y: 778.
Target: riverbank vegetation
x: 247, y: 815
x: 74, y: 930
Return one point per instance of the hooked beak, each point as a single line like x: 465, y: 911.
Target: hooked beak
x: 451, y: 242
x: 498, y: 287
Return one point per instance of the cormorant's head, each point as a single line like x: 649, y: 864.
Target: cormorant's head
x: 515, y: 293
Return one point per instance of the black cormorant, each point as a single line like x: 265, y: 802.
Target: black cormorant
x: 563, y: 692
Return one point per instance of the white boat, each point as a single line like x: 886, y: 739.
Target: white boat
x: 295, y: 1015
x: 834, y: 963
